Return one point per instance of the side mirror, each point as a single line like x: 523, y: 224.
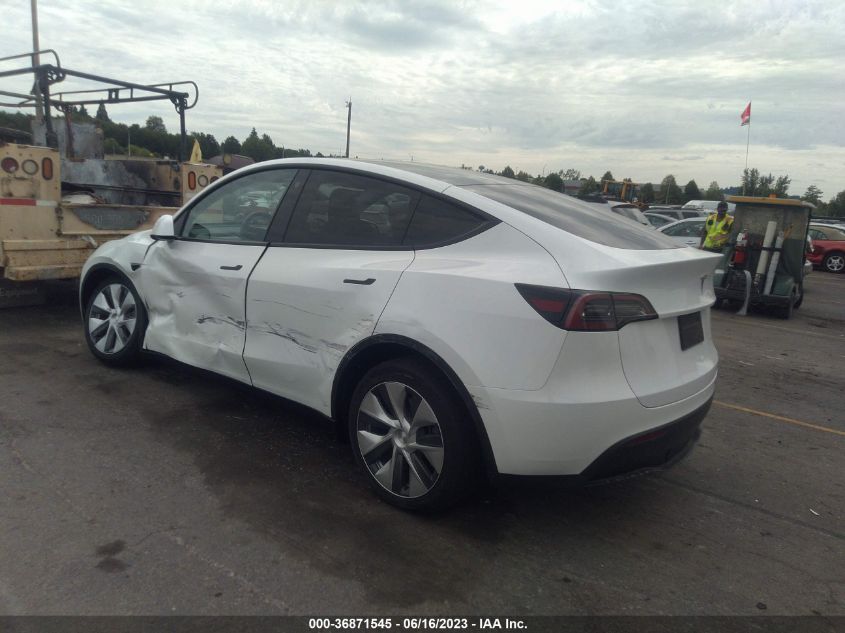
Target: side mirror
x: 163, y: 229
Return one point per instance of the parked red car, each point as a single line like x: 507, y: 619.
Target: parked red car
x: 828, y: 247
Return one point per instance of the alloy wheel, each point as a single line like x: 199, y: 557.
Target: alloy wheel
x: 112, y: 318
x: 835, y: 263
x: 400, y: 439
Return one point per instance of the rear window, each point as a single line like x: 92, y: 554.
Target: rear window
x: 589, y: 221
x: 438, y: 222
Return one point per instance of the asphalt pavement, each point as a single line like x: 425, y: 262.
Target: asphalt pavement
x: 164, y: 490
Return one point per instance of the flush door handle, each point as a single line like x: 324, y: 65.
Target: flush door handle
x: 361, y: 282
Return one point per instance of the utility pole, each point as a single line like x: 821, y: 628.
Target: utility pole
x: 36, y: 61
x: 348, y: 124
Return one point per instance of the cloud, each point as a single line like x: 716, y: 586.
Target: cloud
x: 632, y: 86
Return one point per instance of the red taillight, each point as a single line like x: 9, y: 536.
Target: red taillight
x: 192, y: 180
x: 591, y: 312
x: 47, y: 168
x: 630, y: 308
x: 9, y: 165
x: 587, y: 310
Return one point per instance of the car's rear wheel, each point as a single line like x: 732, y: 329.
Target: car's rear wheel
x: 412, y: 437
x: 834, y: 262
x: 115, y: 321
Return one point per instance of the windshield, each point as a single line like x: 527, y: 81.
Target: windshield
x: 589, y: 221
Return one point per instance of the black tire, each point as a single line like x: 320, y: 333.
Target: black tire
x: 129, y: 352
x: 834, y: 262
x: 785, y: 311
x: 800, y: 299
x: 460, y: 471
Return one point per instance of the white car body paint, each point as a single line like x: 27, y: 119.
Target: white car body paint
x: 551, y: 401
x: 122, y: 253
x: 683, y: 240
x: 304, y: 316
x: 460, y: 301
x: 194, y: 293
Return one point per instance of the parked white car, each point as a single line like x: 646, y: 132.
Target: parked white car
x: 657, y: 220
x: 708, y: 206
x: 483, y: 325
x: 685, y: 232
x: 679, y: 214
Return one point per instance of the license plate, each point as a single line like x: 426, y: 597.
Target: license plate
x: 689, y: 327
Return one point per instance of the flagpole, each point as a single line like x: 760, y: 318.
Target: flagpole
x: 747, y: 144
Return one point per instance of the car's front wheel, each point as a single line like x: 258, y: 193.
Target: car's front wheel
x: 834, y: 262
x: 115, y: 321
x: 412, y: 437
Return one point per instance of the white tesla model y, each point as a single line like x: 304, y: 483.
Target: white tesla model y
x: 453, y: 323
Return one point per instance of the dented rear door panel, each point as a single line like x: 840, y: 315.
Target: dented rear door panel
x: 306, y: 307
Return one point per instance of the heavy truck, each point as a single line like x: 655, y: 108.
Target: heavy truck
x: 61, y: 196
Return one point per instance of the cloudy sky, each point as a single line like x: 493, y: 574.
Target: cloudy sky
x: 643, y: 88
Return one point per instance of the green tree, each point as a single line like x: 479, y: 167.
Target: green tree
x: 231, y: 146
x: 713, y: 192
x: 607, y: 176
x: 135, y: 150
x: 258, y: 149
x: 208, y: 144
x: 691, y: 191
x: 813, y: 194
x: 670, y: 192
x: 836, y: 206
x: 647, y: 193
x: 102, y: 115
x: 156, y: 124
x: 588, y: 186
x: 16, y: 121
x: 553, y: 181
x: 508, y: 172
x: 781, y: 187
x: 765, y: 185
x: 750, y: 182
x: 524, y: 176
x: 111, y: 146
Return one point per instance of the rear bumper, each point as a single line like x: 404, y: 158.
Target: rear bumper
x: 656, y: 449
x: 598, y: 437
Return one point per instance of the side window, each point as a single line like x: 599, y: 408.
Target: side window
x: 436, y: 221
x: 674, y: 231
x: 691, y: 214
x: 693, y: 229
x: 817, y: 235
x: 240, y: 210
x: 338, y: 208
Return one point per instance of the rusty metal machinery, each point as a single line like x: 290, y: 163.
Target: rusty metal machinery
x: 111, y: 91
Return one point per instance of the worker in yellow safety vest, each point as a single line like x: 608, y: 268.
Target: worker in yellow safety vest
x: 717, y: 229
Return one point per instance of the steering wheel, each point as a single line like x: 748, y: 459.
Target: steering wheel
x: 254, y: 226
